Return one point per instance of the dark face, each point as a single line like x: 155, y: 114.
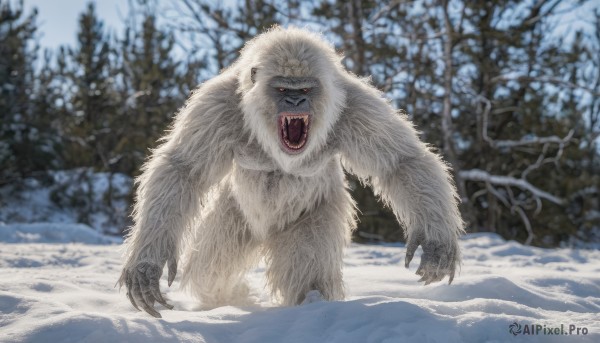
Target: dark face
x: 294, y: 97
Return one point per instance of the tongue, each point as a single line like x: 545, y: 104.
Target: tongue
x: 295, y: 127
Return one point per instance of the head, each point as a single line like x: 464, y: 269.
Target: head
x: 291, y: 92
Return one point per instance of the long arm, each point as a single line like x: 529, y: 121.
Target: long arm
x: 381, y: 147
x: 195, y: 155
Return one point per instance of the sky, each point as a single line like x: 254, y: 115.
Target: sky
x: 58, y: 19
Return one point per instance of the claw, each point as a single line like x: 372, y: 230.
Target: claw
x: 151, y: 310
x: 136, y: 293
x: 128, y: 283
x: 167, y: 305
x: 420, y: 271
x: 143, y: 287
x: 435, y: 277
x: 409, y: 258
x: 155, y: 290
x: 439, y: 277
x: 132, y: 301
x: 146, y: 292
x: 437, y: 261
x: 172, y: 265
x: 413, y: 243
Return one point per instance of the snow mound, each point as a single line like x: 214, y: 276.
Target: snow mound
x: 52, y: 233
x: 66, y: 293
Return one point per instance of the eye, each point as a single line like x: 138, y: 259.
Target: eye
x: 305, y: 90
x: 281, y: 90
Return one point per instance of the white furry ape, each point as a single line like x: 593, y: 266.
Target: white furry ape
x: 253, y: 167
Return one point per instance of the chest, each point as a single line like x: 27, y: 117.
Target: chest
x: 271, y: 199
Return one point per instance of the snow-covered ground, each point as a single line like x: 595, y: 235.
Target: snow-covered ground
x: 57, y: 285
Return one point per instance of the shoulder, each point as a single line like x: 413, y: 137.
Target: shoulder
x: 214, y: 103
x: 221, y: 89
x: 211, y: 114
x: 364, y: 102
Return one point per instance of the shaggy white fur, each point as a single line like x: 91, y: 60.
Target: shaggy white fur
x: 220, y: 192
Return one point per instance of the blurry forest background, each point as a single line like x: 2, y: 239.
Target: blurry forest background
x: 506, y: 91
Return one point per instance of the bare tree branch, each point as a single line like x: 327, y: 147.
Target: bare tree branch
x: 523, y: 141
x: 545, y: 79
x: 483, y: 176
x: 525, y: 221
x: 535, y: 140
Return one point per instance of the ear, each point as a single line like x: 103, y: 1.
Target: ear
x: 253, y: 75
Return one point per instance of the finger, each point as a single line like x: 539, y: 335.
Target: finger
x: 172, y: 270
x: 451, y: 277
x: 441, y: 275
x: 452, y: 264
x: 132, y: 301
x: 148, y: 304
x: 424, y: 265
x: 128, y: 283
x: 413, y: 243
x: 428, y: 281
x: 426, y: 270
x: 155, y: 290
x: 153, y: 277
x: 151, y: 310
x: 145, y: 290
x: 421, y: 270
x: 429, y: 277
x: 167, y: 305
x: 137, y: 295
x: 436, y: 277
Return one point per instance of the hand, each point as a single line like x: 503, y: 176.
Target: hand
x: 142, y: 281
x: 438, y: 260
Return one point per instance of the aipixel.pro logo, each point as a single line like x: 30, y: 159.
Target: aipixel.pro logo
x: 539, y: 329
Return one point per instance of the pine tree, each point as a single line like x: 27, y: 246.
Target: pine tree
x: 88, y: 108
x: 46, y: 105
x: 19, y: 147
x: 150, y: 85
x: 93, y: 99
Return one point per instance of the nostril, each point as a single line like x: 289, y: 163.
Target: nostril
x: 294, y: 101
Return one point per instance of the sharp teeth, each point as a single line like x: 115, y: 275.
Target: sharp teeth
x: 285, y: 120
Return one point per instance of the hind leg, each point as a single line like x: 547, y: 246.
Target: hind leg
x: 307, y: 255
x: 222, y: 251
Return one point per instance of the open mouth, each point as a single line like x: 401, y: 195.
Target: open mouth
x: 293, y: 131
